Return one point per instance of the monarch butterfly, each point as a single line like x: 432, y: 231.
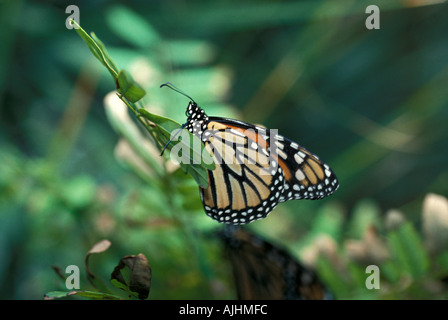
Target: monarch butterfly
x: 263, y: 271
x: 255, y: 168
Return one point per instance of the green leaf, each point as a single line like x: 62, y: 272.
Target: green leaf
x: 119, y: 285
x: 85, y: 294
x: 167, y: 127
x: 195, y: 159
x: 391, y: 271
x: 332, y: 277
x: 366, y: 213
x: 98, y: 49
x: 197, y: 172
x: 408, y: 250
x: 442, y: 263
x: 55, y: 295
x: 89, y: 41
x: 128, y: 88
x: 126, y: 85
x: 97, y: 295
x: 105, y: 54
x: 164, y: 126
x: 358, y: 274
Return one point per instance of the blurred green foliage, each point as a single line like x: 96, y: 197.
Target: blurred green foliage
x: 371, y: 103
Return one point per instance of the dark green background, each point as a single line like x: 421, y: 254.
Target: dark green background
x: 371, y: 103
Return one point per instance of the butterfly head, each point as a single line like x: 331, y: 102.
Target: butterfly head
x: 196, y: 119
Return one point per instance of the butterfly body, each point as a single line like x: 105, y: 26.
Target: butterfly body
x: 255, y: 169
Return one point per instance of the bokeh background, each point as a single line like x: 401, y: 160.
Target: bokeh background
x: 373, y: 104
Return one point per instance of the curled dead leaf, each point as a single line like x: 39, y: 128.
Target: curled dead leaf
x: 138, y: 278
x: 98, y: 247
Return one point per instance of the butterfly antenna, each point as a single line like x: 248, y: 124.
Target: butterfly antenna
x: 173, y: 87
x: 177, y: 132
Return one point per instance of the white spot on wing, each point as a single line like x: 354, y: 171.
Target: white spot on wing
x: 236, y: 132
x: 298, y: 159
x: 279, y: 144
x: 300, y: 175
x: 282, y: 154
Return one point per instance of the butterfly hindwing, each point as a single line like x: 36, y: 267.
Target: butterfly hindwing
x: 306, y: 176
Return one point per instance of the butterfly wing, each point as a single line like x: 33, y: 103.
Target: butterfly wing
x: 264, y: 271
x: 247, y: 182
x: 255, y: 169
